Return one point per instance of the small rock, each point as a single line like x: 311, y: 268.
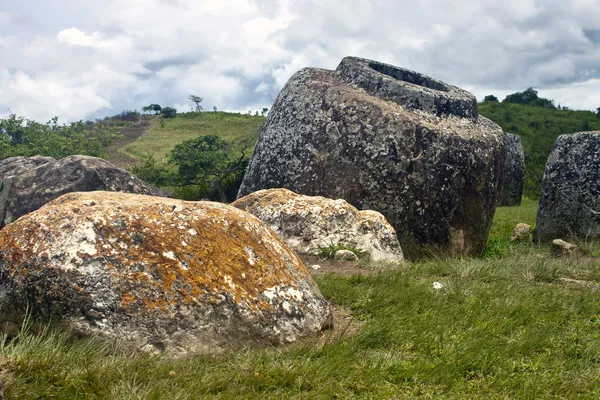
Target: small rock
x: 316, y: 267
x: 437, y: 286
x: 522, y: 233
x: 561, y: 248
x: 172, y: 373
x: 345, y: 255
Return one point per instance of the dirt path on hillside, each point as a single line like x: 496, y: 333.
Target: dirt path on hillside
x: 130, y: 135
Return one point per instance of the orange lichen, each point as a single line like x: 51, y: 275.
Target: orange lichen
x: 160, y: 252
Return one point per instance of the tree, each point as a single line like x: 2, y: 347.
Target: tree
x: 490, y: 98
x: 598, y: 112
x: 147, y: 109
x: 529, y: 97
x: 168, y: 112
x: 208, y: 160
x: 156, y: 108
x: 264, y: 111
x: 214, y: 108
x: 197, y: 100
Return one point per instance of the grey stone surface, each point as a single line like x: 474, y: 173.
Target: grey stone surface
x: 514, y: 172
x: 570, y: 199
x: 163, y: 275
x: 27, y: 183
x: 383, y: 141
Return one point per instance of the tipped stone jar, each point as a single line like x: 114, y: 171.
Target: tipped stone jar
x: 390, y: 140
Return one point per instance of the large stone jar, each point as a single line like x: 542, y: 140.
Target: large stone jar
x: 387, y: 139
x: 570, y: 199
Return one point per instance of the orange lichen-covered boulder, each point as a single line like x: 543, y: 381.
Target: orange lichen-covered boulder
x: 164, y: 274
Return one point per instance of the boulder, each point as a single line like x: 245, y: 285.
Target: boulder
x: 386, y: 139
x: 522, y: 233
x: 163, y: 274
x: 570, y: 200
x: 514, y: 172
x: 308, y: 223
x: 27, y: 183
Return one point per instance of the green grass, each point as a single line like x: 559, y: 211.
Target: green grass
x: 161, y: 139
x: 519, y: 326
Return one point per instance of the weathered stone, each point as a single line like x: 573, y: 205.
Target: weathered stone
x: 514, y: 172
x: 27, y: 183
x: 522, y: 233
x: 345, y: 255
x: 14, y: 166
x: 308, y: 223
x: 561, y: 248
x: 386, y: 139
x: 570, y: 199
x: 163, y: 274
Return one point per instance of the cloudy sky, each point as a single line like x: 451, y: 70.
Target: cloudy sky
x: 83, y: 59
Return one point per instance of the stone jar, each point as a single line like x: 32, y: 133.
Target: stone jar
x: 387, y: 139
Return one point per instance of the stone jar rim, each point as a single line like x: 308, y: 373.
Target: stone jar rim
x: 407, y: 88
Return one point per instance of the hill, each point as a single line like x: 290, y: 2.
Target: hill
x: 538, y: 128
x: 165, y: 133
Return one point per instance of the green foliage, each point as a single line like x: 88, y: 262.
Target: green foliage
x: 327, y: 252
x: 210, y: 161
x: 538, y: 128
x: 490, y: 98
x: 22, y: 137
x: 529, y: 97
x: 168, y: 112
x: 153, y: 172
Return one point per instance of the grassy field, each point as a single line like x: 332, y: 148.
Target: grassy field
x: 518, y: 324
x: 163, y: 137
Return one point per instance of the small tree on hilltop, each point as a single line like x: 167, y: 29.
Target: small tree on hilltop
x: 196, y: 100
x: 168, y: 112
x: 156, y: 108
x: 490, y: 98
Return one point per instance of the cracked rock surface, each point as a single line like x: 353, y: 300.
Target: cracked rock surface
x: 390, y: 140
x: 570, y: 199
x: 163, y: 274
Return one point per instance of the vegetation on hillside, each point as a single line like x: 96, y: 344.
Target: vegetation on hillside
x: 23, y: 137
x: 197, y: 155
x: 538, y: 122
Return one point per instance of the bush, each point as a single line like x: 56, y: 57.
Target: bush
x: 168, y: 112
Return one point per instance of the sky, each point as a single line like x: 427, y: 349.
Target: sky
x: 84, y: 60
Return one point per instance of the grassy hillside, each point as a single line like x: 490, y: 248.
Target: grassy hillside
x: 162, y: 137
x: 538, y: 128
x: 521, y: 325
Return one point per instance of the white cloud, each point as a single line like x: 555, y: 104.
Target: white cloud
x: 79, y: 60
x: 74, y: 36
